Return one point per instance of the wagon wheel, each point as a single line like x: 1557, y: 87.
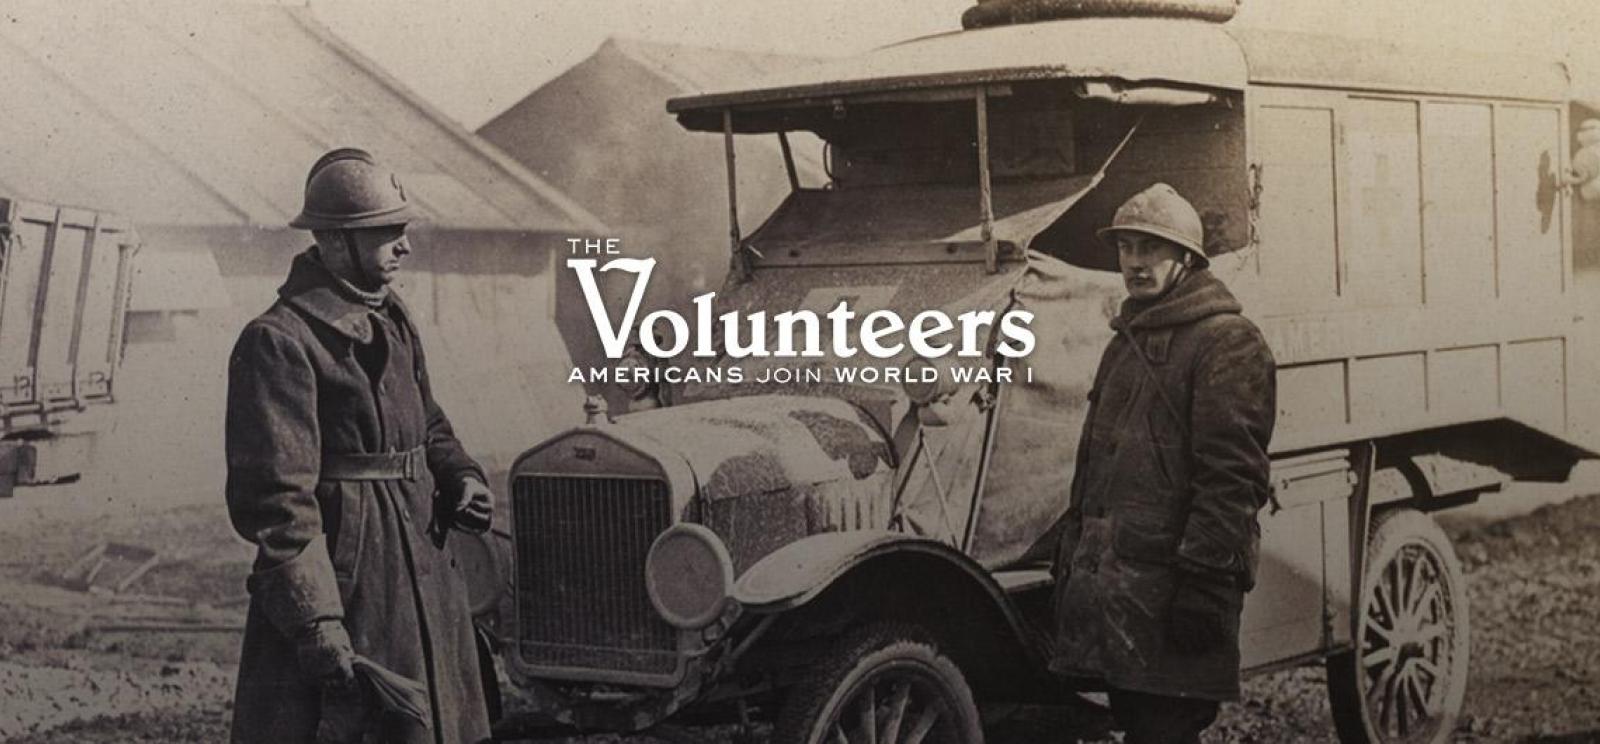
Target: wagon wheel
x: 885, y: 684
x: 1407, y: 676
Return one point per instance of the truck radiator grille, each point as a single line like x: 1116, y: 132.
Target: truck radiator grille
x: 581, y: 598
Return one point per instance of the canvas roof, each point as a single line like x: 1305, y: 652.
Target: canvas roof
x: 1193, y: 53
x: 210, y: 114
x: 1323, y: 60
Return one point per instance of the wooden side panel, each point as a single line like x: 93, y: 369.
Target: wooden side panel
x: 54, y: 360
x: 1380, y: 239
x: 1458, y: 207
x: 98, y: 340
x: 1465, y: 380
x: 24, y: 272
x: 64, y: 279
x: 1283, y: 614
x: 1534, y: 382
x: 1527, y: 148
x: 1398, y: 306
x: 1305, y: 562
x: 1298, y: 225
x: 1388, y: 389
x: 1311, y: 395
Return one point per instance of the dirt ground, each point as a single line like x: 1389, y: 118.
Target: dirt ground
x: 72, y: 671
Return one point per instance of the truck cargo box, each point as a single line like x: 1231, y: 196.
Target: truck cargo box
x: 64, y: 281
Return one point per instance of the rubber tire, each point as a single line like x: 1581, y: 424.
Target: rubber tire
x: 811, y: 703
x: 1391, y: 532
x: 989, y: 13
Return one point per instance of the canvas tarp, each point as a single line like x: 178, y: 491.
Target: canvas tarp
x: 904, y: 253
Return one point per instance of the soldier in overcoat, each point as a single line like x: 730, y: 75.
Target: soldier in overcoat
x: 346, y: 475
x: 1159, y: 542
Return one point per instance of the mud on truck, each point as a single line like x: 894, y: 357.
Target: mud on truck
x: 864, y: 562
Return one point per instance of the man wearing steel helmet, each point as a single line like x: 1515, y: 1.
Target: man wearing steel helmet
x: 1158, y: 545
x: 347, y: 476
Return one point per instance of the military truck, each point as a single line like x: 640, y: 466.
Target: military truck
x: 64, y: 281
x: 863, y: 562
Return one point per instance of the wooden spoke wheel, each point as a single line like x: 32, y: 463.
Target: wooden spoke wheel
x: 886, y: 684
x: 1406, y: 678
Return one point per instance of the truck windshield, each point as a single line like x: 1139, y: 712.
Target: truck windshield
x: 897, y: 229
x: 1030, y: 137
x: 1047, y: 140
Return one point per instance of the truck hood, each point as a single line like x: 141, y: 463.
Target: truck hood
x: 763, y: 444
x: 771, y: 469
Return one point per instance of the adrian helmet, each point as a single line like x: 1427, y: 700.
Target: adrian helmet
x: 347, y: 188
x: 1162, y: 212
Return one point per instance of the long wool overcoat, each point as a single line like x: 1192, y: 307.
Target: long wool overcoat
x: 1164, y: 493
x: 321, y: 372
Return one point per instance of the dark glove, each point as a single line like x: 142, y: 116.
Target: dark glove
x: 474, y: 508
x: 394, y: 692
x: 325, y: 653
x: 1197, y: 620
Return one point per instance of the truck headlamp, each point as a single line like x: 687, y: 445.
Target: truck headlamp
x: 689, y: 576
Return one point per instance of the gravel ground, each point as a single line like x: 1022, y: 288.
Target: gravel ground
x: 56, y: 699
x: 1535, y: 586
x: 1534, y: 583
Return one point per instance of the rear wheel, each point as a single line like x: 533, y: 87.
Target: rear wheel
x: 885, y: 684
x: 1406, y: 678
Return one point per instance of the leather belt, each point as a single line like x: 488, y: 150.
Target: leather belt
x: 382, y: 466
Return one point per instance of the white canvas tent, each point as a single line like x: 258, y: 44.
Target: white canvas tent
x: 197, y: 123
x: 601, y: 132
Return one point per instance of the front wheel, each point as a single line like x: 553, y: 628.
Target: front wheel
x: 1406, y: 678
x: 886, y: 684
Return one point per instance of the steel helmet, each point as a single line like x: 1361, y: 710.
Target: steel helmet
x: 1162, y: 212
x: 347, y: 188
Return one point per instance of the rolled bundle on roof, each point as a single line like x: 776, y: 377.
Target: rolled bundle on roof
x: 1008, y: 12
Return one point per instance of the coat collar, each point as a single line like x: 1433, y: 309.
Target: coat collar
x: 1201, y: 295
x: 314, y: 290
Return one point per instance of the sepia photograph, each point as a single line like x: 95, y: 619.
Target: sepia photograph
x: 825, y: 372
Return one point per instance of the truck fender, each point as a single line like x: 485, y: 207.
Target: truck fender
x: 793, y: 575
x: 805, y: 573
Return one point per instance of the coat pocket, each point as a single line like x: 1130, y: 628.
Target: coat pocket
x: 1144, y: 534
